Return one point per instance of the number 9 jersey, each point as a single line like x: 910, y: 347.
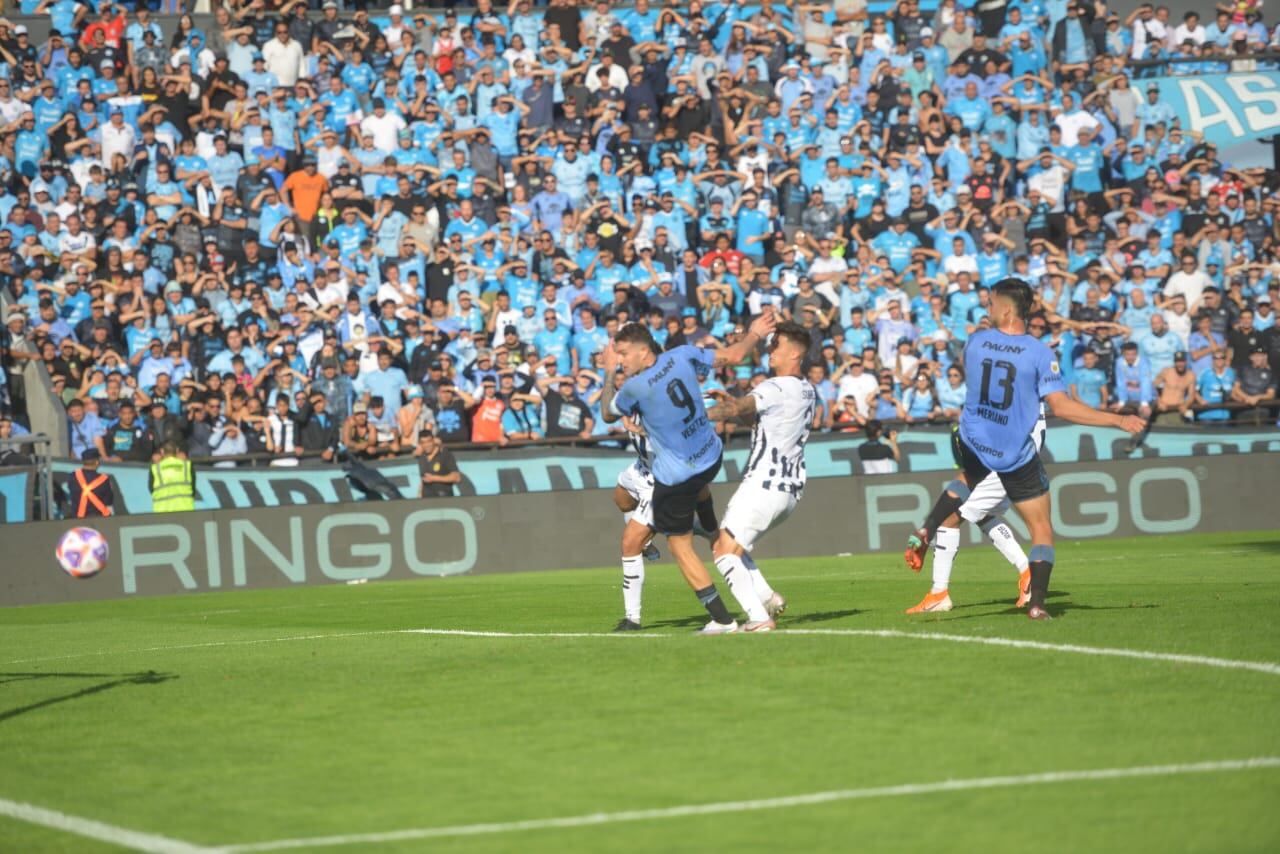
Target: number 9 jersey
x: 666, y: 396
x: 1007, y: 377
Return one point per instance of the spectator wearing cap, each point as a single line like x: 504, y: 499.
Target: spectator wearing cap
x: 415, y: 418
x: 1242, y: 339
x: 486, y: 415
x: 1176, y: 386
x: 566, y: 415
x: 438, y: 473
x: 1264, y: 317
x: 85, y: 428
x: 1191, y: 208
x: 386, y: 430
x: 1215, y: 384
x: 1255, y: 384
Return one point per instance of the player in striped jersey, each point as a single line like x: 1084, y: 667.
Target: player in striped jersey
x: 773, y: 482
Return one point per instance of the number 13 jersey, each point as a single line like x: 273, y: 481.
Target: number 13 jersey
x: 1007, y: 376
x: 666, y: 396
x: 784, y: 409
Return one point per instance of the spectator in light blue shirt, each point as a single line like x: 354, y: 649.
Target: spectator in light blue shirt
x: 84, y: 428
x: 1135, y: 390
x: 1089, y: 383
x: 1214, y: 385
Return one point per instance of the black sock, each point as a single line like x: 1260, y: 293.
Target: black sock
x: 946, y: 505
x: 1040, y: 571
x: 707, y: 516
x: 711, y: 600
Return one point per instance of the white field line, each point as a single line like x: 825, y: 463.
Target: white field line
x: 1269, y: 668
x: 810, y: 799
x: 1118, y: 652
x: 123, y: 837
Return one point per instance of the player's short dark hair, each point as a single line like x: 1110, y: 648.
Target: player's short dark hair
x: 637, y: 333
x: 795, y: 333
x: 1018, y: 292
x: 873, y: 428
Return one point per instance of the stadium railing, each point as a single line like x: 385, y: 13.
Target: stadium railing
x: 1264, y: 414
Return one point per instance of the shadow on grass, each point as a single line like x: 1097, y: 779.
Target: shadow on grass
x: 1053, y: 594
x: 114, y: 680
x: 1263, y: 546
x: 1055, y: 610
x: 695, y: 622
x: 700, y: 620
x: 818, y: 617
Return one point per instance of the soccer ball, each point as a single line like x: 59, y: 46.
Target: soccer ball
x: 82, y: 552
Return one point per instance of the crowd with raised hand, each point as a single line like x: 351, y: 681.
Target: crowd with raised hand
x: 326, y: 232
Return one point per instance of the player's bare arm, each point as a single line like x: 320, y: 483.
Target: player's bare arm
x: 607, y: 392
x: 761, y: 328
x: 728, y: 408
x: 1072, y: 410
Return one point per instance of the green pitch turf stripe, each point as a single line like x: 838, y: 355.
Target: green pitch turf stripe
x: 1269, y: 668
x: 90, y: 829
x: 810, y: 799
x: 207, y: 645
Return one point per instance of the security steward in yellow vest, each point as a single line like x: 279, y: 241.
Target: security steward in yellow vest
x: 172, y: 482
x: 90, y: 489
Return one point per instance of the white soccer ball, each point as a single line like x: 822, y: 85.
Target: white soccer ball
x: 82, y: 552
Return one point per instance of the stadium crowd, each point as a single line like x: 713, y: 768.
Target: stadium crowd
x: 307, y: 232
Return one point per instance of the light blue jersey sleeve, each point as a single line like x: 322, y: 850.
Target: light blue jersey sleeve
x: 1049, y: 372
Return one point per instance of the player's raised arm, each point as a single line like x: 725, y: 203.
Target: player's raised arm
x: 610, y: 359
x: 759, y: 330
x: 1065, y: 407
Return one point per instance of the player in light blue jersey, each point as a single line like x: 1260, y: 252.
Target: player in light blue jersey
x: 663, y: 390
x: 1010, y: 373
x: 633, y: 496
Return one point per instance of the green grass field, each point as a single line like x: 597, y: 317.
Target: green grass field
x: 251, y: 717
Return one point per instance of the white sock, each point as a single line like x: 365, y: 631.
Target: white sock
x: 739, y: 581
x: 1001, y: 536
x: 945, y: 545
x: 762, y: 588
x: 632, y: 586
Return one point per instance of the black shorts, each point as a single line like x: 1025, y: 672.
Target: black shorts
x: 1024, y: 483
x: 674, y: 505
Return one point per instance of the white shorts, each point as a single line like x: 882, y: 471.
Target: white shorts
x: 988, y: 498
x: 754, y: 510
x: 638, y: 483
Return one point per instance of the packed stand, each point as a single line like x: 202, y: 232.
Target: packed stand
x: 320, y: 234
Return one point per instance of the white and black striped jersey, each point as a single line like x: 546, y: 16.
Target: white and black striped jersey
x: 640, y: 444
x: 784, y: 409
